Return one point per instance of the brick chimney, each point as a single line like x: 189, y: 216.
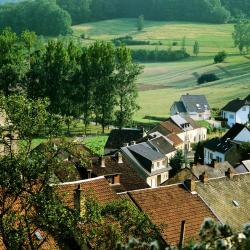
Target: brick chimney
x: 229, y: 173
x: 117, y: 179
x: 190, y: 184
x: 203, y: 177
x: 102, y: 162
x: 79, y: 201
x: 119, y: 158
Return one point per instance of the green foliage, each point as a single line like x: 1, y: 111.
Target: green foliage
x: 210, y: 77
x: 196, y: 48
x: 128, y: 40
x: 176, y: 162
x: 220, y: 57
x: 27, y: 200
x: 245, y: 150
x: 12, y: 62
x: 156, y: 55
x: 36, y: 16
x: 106, y: 225
x: 140, y: 23
x: 241, y: 35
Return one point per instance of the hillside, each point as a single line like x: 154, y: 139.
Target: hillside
x: 162, y: 83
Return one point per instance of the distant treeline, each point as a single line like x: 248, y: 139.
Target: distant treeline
x: 52, y: 17
x: 213, y: 11
x: 44, y: 17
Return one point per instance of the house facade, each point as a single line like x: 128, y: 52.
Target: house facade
x: 150, y: 163
x: 195, y: 106
x: 236, y: 111
x: 226, y: 148
x: 182, y: 131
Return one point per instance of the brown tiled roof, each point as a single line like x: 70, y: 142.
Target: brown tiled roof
x: 175, y: 139
x: 166, y: 128
x: 180, y: 177
x: 212, y: 172
x: 129, y: 178
x: 168, y: 206
x: 97, y: 188
x: 223, y: 194
x: 171, y: 127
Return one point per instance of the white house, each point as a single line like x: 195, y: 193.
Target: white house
x: 151, y: 164
x: 226, y: 148
x: 183, y: 127
x: 195, y: 106
x: 236, y: 111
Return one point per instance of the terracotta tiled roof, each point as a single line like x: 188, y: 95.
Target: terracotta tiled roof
x: 98, y: 188
x: 175, y: 139
x: 168, y: 206
x: 129, y: 178
x: 171, y: 127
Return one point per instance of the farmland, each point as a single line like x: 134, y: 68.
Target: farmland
x: 162, y: 83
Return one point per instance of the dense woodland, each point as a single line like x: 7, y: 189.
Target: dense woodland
x: 38, y: 15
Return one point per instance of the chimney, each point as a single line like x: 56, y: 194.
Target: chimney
x: 190, y: 184
x: 117, y: 179
x: 144, y: 134
x: 89, y: 171
x: 79, y: 201
x: 102, y: 162
x: 203, y: 177
x: 229, y: 173
x: 132, y: 142
x: 182, y: 234
x: 125, y: 144
x: 119, y: 158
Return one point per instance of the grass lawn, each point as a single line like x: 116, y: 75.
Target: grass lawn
x: 96, y: 143
x: 161, y: 84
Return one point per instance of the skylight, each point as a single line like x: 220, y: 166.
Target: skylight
x: 236, y: 203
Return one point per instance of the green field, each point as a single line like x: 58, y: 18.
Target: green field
x: 162, y: 83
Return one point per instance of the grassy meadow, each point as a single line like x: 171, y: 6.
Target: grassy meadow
x: 162, y: 83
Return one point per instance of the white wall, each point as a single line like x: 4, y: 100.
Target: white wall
x: 215, y: 155
x: 242, y: 114
x: 244, y: 136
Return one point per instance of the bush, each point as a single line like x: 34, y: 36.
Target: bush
x: 156, y: 55
x: 207, y: 78
x: 175, y: 43
x: 128, y: 40
x: 220, y: 57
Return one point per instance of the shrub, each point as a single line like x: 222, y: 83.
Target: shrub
x: 220, y: 57
x: 156, y: 55
x: 175, y: 43
x: 128, y: 40
x: 211, y: 77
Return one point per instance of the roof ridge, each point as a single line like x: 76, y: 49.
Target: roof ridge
x: 78, y: 182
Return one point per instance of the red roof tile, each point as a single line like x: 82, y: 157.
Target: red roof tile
x: 129, y: 178
x: 98, y: 188
x: 168, y: 206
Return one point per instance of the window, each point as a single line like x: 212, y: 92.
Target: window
x: 218, y: 159
x: 211, y: 156
x: 158, y: 164
x: 244, y: 109
x: 231, y: 116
